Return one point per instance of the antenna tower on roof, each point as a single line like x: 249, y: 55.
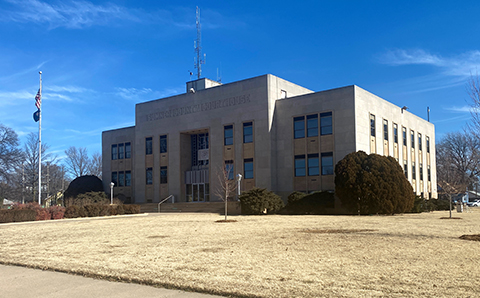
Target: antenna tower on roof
x: 198, y: 47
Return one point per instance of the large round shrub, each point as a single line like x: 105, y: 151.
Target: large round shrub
x: 260, y: 201
x: 372, y: 184
x: 81, y: 185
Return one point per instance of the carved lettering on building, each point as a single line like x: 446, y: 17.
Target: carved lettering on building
x: 201, y: 107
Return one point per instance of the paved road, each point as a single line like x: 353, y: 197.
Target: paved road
x: 20, y: 282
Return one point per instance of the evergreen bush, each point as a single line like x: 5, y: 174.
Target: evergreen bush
x: 314, y: 203
x: 260, y: 201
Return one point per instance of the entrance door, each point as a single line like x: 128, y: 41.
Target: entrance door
x: 198, y: 192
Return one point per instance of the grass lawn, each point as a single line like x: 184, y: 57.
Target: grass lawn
x: 412, y: 255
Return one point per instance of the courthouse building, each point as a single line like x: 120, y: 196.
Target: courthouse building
x: 276, y: 134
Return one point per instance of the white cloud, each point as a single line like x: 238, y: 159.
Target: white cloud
x: 142, y: 94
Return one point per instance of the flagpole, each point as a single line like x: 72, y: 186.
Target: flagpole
x: 40, y: 147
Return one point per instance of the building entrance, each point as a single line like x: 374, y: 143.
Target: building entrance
x: 198, y: 192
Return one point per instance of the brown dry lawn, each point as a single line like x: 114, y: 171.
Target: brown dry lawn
x: 412, y: 255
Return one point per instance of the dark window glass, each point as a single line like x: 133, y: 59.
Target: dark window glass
x: 395, y: 133
x: 413, y: 171
x: 299, y: 127
x: 128, y: 178
x: 428, y: 173
x: 420, y: 171
x: 128, y: 150
x: 405, y: 168
x: 114, y: 152
x: 114, y: 178
x: 163, y: 175
x: 312, y: 125
x: 313, y: 165
x: 428, y: 145
x: 419, y: 141
x: 299, y: 165
x: 404, y: 132
x: 229, y: 169
x: 412, y: 139
x: 248, y: 132
x: 163, y: 144
x: 326, y: 127
x: 121, y: 179
x: 121, y: 151
x: 372, y: 125
x: 327, y: 163
x: 148, y: 146
x: 149, y: 176
x: 385, y: 130
x: 228, y: 135
x: 248, y: 168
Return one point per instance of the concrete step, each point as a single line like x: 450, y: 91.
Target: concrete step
x: 205, y: 207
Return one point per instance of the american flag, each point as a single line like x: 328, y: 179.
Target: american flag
x: 38, y: 99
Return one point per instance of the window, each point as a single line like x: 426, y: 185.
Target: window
x: 412, y: 139
x: 128, y: 178
x: 149, y: 176
x: 372, y: 125
x: 114, y: 178
x: 229, y: 169
x: 114, y: 152
x: 429, y: 178
x: 420, y: 171
x: 413, y: 171
x: 327, y: 163
x: 428, y: 144
x: 163, y: 175
x: 121, y: 151
x: 128, y: 150
x: 163, y: 144
x: 299, y: 127
x: 385, y: 130
x: 312, y: 125
x: 248, y: 132
x: 299, y: 165
x: 326, y: 127
x: 419, y: 141
x: 148, y: 146
x: 228, y: 135
x: 313, y: 165
x: 395, y: 133
x: 404, y: 132
x: 121, y: 178
x: 405, y: 168
x: 248, y: 168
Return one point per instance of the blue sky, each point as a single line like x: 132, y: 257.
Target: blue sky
x: 100, y: 58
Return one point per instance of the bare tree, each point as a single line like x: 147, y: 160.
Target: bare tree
x: 226, y: 185
x: 95, y: 165
x: 77, y: 161
x: 473, y: 90
x: 11, y: 155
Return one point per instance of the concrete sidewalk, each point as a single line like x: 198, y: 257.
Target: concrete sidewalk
x: 20, y: 282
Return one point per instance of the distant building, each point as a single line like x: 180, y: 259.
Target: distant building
x: 277, y: 134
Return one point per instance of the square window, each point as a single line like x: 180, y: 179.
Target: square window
x: 248, y: 132
x: 299, y: 165
x: 326, y: 127
x: 299, y: 127
x: 312, y: 125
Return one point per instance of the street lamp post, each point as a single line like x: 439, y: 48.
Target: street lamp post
x: 111, y: 192
x: 239, y: 178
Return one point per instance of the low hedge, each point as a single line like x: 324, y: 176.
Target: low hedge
x: 17, y: 215
x: 314, y: 203
x: 94, y: 210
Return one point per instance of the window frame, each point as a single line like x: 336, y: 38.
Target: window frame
x: 419, y: 141
x: 163, y: 144
x: 128, y: 153
x: 327, y: 169
x: 121, y: 178
x: 385, y: 130
x: 326, y: 128
x: 248, y: 132
x: 148, y: 146
x: 300, y: 166
x: 114, y: 155
x: 225, y: 137
x: 163, y: 175
x: 404, y: 135
x: 248, y: 173
x: 311, y: 167
x: 229, y: 169
x: 312, y: 131
x: 121, y: 153
x: 395, y: 133
x: 115, y: 178
x: 128, y: 178
x: 149, y: 176
x: 301, y: 131
x: 412, y: 138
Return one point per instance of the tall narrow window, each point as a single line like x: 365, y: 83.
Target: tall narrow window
x: 372, y: 125
x: 327, y: 163
x: 229, y: 169
x: 412, y: 138
x: 414, y: 176
x: 428, y: 144
x: 419, y: 141
x: 121, y: 178
x: 149, y: 176
x: 429, y: 178
x: 148, y: 146
x: 326, y: 126
x: 114, y: 178
x: 114, y: 152
x: 395, y: 133
x: 128, y: 150
x: 385, y: 130
x: 313, y: 165
x: 228, y: 135
x: 128, y: 178
x: 163, y: 144
x: 405, y: 168
x: 121, y: 151
x: 248, y: 132
x: 299, y: 165
x: 163, y: 175
x: 404, y: 132
x: 312, y: 125
x: 299, y: 127
x: 420, y: 170
x: 248, y: 168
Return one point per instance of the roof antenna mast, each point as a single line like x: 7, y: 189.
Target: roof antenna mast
x: 198, y: 47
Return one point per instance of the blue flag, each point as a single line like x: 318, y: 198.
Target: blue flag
x: 36, y: 115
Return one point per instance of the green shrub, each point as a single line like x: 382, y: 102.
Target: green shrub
x: 116, y: 209
x: 314, y: 203
x: 88, y: 198
x: 295, y: 196
x: 131, y: 209
x: 260, y: 201
x: 74, y: 211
